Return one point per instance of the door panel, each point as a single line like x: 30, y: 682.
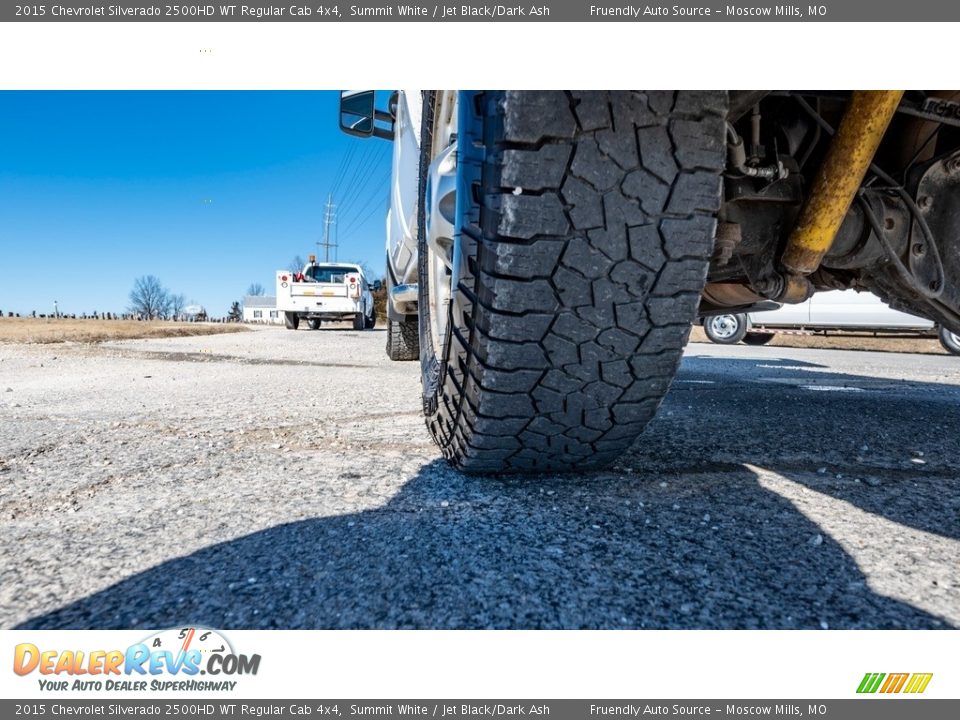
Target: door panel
x: 788, y: 315
x: 847, y: 308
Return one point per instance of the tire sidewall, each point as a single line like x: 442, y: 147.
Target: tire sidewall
x: 758, y: 339
x: 950, y: 341
x: 429, y: 356
x: 738, y: 334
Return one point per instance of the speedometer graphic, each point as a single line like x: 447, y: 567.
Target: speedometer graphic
x: 184, y: 639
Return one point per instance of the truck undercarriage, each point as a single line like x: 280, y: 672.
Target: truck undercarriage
x: 830, y: 191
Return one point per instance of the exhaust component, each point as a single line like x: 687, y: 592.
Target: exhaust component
x: 864, y: 122
x: 728, y: 294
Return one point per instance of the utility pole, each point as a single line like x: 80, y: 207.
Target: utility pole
x: 329, y: 218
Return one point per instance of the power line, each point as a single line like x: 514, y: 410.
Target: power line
x: 342, y: 170
x: 376, y: 194
x: 362, y: 167
x: 366, y: 167
x: 365, y: 218
x: 375, y: 187
x: 350, y: 175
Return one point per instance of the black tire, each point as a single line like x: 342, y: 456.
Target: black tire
x: 757, y: 338
x: 359, y: 321
x: 313, y: 323
x: 726, y: 329
x: 586, y: 221
x: 403, y: 341
x: 370, y: 321
x: 291, y: 321
x: 950, y: 341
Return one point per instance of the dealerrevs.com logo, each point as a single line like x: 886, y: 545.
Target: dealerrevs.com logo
x: 889, y: 683
x: 169, y: 660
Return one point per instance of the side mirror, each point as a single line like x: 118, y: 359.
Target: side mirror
x: 377, y: 285
x: 357, y: 112
x: 359, y: 115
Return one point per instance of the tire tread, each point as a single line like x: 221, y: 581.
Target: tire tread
x: 591, y: 244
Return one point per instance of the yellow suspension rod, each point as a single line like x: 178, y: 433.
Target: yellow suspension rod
x: 864, y: 122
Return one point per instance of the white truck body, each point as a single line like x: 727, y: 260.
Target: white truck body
x: 401, y: 235
x: 841, y: 310
x: 325, y: 291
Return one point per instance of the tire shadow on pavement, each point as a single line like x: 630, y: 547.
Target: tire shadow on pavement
x: 751, y: 502
x: 888, y: 447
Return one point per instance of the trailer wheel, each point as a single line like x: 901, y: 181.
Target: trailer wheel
x: 313, y: 323
x: 402, y: 340
x: 291, y: 321
x: 563, y: 245
x: 726, y: 329
x: 757, y: 338
x: 950, y: 341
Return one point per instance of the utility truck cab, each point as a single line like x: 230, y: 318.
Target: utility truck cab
x: 325, y: 291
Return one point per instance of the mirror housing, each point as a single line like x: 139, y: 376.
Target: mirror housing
x: 377, y: 285
x: 357, y: 112
x: 359, y: 115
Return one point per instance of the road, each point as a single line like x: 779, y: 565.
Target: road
x: 274, y: 479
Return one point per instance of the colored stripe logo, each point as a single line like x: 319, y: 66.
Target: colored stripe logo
x: 913, y: 683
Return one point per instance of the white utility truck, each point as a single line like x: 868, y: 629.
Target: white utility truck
x: 325, y: 291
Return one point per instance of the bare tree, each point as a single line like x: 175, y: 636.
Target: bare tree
x: 296, y: 265
x: 149, y: 298
x: 367, y: 271
x: 256, y: 289
x: 177, y: 303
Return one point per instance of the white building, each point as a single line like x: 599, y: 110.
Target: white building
x: 261, y: 309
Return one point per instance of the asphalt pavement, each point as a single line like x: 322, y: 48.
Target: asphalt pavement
x: 278, y: 479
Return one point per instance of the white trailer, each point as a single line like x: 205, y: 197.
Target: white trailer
x: 325, y: 291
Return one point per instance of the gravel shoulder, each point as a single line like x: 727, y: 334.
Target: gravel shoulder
x: 280, y: 479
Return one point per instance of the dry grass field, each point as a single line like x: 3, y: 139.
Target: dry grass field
x: 51, y: 330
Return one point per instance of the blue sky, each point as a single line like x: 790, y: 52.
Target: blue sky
x: 209, y: 191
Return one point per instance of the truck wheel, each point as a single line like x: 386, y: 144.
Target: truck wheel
x: 291, y: 321
x: 313, y: 323
x: 403, y: 342
x: 563, y: 245
x: 359, y: 320
x: 950, y: 341
x: 370, y: 321
x: 757, y: 338
x: 725, y: 329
